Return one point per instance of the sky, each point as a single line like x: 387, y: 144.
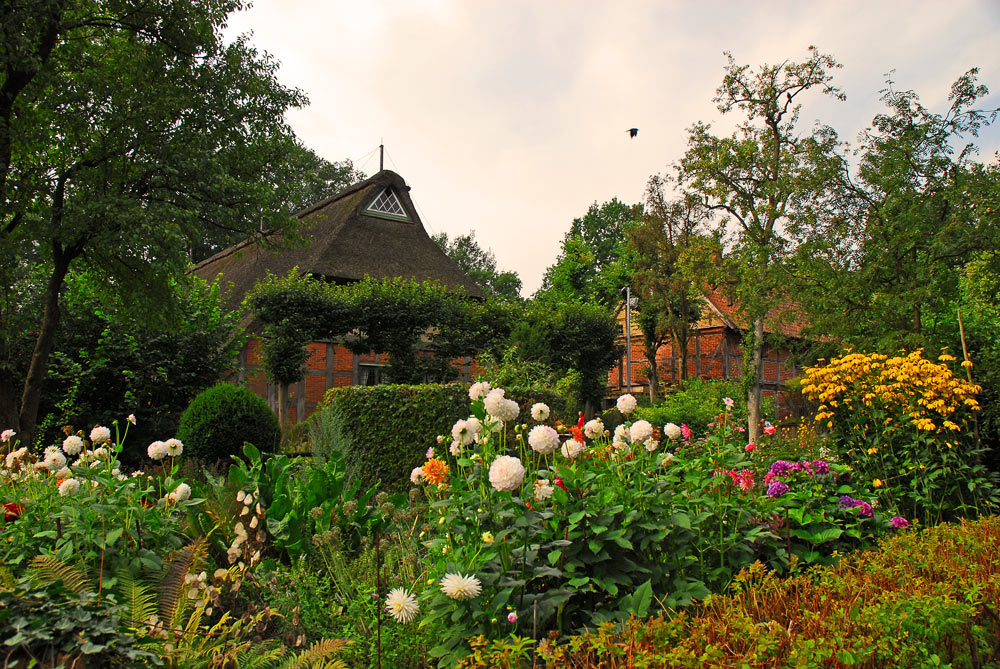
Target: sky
x: 509, y: 118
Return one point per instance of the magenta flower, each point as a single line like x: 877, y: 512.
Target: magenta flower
x: 512, y: 617
x: 749, y: 448
x: 769, y: 429
x: 899, y: 523
x: 685, y: 432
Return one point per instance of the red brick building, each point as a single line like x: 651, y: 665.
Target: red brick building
x: 715, y: 352
x: 370, y: 229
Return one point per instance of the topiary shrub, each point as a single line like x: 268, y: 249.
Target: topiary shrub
x: 221, y: 418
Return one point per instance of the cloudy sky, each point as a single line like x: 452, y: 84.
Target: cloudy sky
x: 509, y: 117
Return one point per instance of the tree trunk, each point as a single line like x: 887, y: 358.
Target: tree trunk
x: 282, y: 405
x: 653, y: 375
x: 754, y: 392
x: 32, y: 393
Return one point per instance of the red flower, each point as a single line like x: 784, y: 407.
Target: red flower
x: 560, y: 483
x: 12, y: 512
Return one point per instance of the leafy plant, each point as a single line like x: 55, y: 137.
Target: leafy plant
x: 220, y: 419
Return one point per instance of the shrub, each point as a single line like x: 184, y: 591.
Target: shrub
x: 922, y: 599
x: 698, y: 404
x: 220, y: 419
x: 904, y: 423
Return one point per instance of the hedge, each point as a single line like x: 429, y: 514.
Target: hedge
x: 385, y: 430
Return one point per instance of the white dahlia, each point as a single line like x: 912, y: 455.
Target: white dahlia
x: 572, y: 448
x: 461, y: 587
x: 72, y: 444
x: 543, y: 439
x: 402, y: 605
x: 626, y: 403
x: 540, y: 411
x: 100, y: 435
x: 506, y: 473
x: 594, y: 428
x: 672, y: 431
x: 640, y: 431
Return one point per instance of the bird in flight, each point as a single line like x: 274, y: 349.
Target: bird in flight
x: 632, y: 132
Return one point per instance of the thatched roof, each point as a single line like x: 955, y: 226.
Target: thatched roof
x: 347, y: 240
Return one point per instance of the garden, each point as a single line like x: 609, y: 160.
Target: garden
x: 502, y: 533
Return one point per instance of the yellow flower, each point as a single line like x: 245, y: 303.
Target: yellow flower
x: 966, y: 363
x: 487, y: 537
x: 872, y: 451
x: 877, y: 483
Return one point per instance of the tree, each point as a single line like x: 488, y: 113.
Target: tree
x: 593, y: 264
x: 879, y: 259
x: 480, y: 265
x: 126, y: 128
x: 669, y: 300
x: 755, y: 179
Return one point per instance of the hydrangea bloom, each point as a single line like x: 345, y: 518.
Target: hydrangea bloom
x: 506, y: 473
x: 461, y: 587
x: 156, y: 450
x: 479, y: 390
x: 899, y: 523
x: 174, y: 447
x: 72, y: 444
x: 572, y: 448
x: 100, y: 435
x: 401, y: 605
x: 672, y: 431
x: 640, y: 431
x: 821, y: 466
x: 779, y: 467
x: 626, y: 403
x: 540, y: 411
x: 594, y: 428
x: 777, y: 489
x: 543, y: 439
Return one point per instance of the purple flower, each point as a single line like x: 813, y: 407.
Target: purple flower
x: 847, y: 501
x: 899, y: 523
x: 821, y: 466
x: 780, y: 467
x: 777, y: 489
x: 866, y: 508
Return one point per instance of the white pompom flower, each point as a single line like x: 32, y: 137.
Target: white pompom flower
x: 572, y: 448
x: 506, y: 473
x: 100, y: 435
x: 593, y: 428
x: 672, y: 431
x: 417, y: 476
x: 69, y: 487
x: 540, y: 411
x: 543, y: 439
x: 72, y: 444
x: 462, y: 432
x: 640, y: 431
x: 479, y: 390
x: 157, y: 450
x: 626, y: 403
x: 174, y: 447
x: 493, y: 402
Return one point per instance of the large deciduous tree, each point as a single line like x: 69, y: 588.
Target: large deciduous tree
x: 127, y: 127
x: 754, y: 181
x: 480, y: 265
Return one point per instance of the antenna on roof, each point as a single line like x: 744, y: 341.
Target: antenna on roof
x: 381, y: 156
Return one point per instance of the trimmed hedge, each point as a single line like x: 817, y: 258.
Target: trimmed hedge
x: 386, y: 430
x: 221, y: 418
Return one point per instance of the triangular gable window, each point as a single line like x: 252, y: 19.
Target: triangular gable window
x: 387, y: 204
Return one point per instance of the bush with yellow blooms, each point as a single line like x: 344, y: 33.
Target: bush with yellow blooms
x: 907, y: 423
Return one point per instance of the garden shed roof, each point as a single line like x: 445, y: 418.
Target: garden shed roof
x: 371, y: 228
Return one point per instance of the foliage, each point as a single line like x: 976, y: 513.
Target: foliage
x: 533, y: 381
x: 221, y: 418
x: 53, y: 626
x: 131, y: 127
x: 571, y: 337
x: 902, y: 422
x: 588, y: 533
x: 757, y: 179
x: 89, y: 514
x: 423, y: 327
x: 105, y: 360
x: 480, y: 265
x: 922, y: 599
x: 697, y: 405
x: 388, y: 427
x: 593, y: 264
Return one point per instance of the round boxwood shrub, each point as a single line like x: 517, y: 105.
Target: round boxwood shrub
x: 221, y: 418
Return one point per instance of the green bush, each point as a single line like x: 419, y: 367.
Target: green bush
x: 220, y: 419
x: 699, y: 404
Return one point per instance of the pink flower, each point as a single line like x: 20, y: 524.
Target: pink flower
x: 749, y: 448
x: 512, y: 617
x: 728, y: 401
x: 430, y: 452
x: 685, y: 431
x: 740, y: 429
x: 768, y: 429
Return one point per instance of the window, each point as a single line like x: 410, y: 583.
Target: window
x: 388, y: 204
x: 371, y: 375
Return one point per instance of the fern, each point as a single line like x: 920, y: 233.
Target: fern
x: 180, y: 564
x: 46, y: 569
x: 7, y: 580
x: 317, y: 656
x: 139, y: 600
